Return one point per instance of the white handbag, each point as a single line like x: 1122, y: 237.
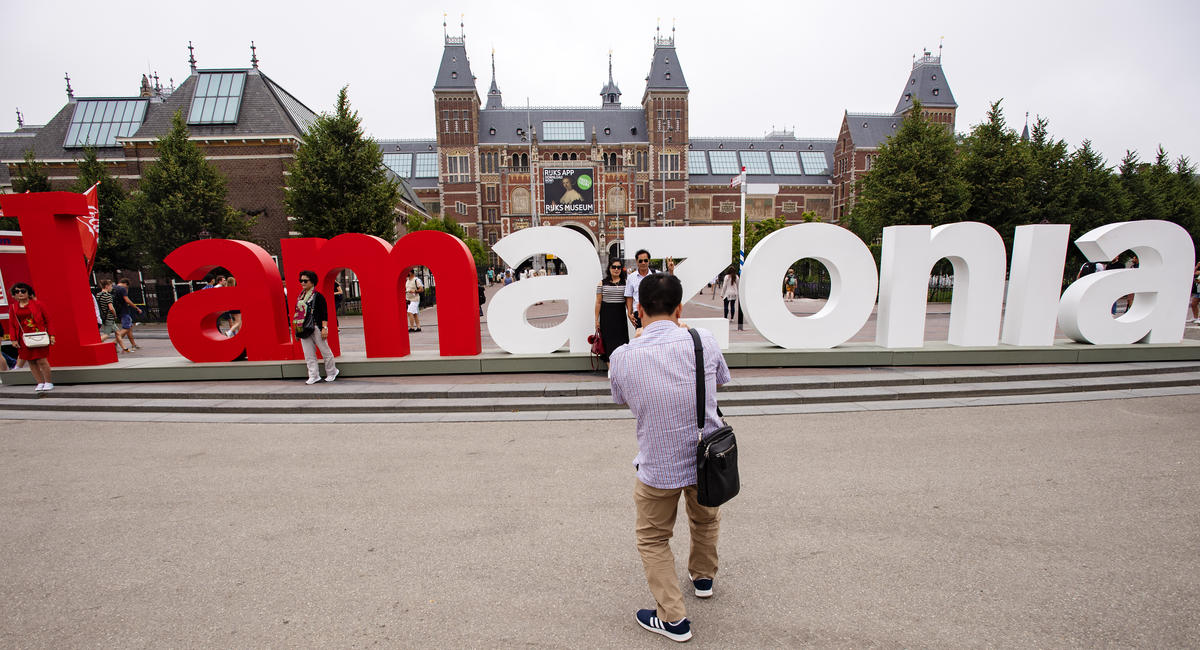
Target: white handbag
x: 35, y: 339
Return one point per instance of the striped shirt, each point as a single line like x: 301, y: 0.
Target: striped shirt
x: 655, y: 374
x: 612, y: 293
x: 104, y: 300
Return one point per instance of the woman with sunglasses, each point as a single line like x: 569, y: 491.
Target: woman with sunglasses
x: 311, y: 325
x: 610, y: 309
x: 26, y: 315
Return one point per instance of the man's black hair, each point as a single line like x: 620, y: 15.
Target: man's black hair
x: 635, y: 255
x: 659, y: 294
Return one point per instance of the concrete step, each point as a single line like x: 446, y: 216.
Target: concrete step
x: 295, y: 401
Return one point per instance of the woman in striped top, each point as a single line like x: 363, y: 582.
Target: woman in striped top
x: 610, y: 309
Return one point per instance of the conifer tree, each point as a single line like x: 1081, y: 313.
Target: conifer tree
x: 914, y: 180
x: 1046, y: 185
x: 995, y: 169
x: 180, y: 199
x: 31, y: 176
x: 338, y: 182
x: 116, y: 249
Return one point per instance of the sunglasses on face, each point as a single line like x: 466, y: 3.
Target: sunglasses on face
x: 643, y: 261
x: 19, y: 291
x: 305, y: 280
x: 615, y: 266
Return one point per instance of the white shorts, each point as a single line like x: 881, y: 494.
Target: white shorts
x: 414, y: 307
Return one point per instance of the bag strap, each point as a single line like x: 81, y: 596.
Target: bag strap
x: 700, y: 396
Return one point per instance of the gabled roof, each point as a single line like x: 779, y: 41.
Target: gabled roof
x: 623, y: 124
x: 869, y: 130
x: 454, y: 74
x: 927, y: 84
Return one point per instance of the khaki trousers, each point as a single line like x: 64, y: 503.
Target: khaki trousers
x: 655, y: 524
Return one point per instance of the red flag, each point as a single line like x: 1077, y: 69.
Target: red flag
x: 89, y: 227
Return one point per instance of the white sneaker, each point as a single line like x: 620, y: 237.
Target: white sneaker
x: 40, y: 388
x: 47, y: 386
x: 312, y: 380
x: 336, y: 372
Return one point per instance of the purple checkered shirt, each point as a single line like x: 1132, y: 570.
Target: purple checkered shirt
x: 655, y: 374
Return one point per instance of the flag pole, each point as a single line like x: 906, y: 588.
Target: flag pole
x: 742, y: 230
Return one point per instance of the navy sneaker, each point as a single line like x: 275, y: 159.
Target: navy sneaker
x: 680, y: 630
x: 703, y: 586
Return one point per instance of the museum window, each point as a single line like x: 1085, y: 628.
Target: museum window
x: 458, y: 169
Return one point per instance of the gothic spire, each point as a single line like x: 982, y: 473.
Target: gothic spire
x: 191, y: 56
x: 253, y: 56
x: 494, y: 100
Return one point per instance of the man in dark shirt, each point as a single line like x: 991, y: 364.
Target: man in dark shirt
x: 125, y: 309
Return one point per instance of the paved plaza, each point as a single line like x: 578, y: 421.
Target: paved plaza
x: 1051, y: 525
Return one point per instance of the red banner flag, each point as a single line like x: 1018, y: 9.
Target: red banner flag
x: 89, y: 227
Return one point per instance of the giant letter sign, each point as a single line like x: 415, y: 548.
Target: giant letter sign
x: 1161, y: 285
x: 977, y: 253
x: 1031, y: 309
x: 192, y: 321
x: 54, y: 253
x: 506, y: 314
x: 381, y: 270
x: 851, y: 293
x: 705, y: 251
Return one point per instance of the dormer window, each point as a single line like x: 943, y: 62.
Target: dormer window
x: 453, y: 75
x: 935, y: 91
x: 912, y: 81
x: 908, y: 97
x: 934, y: 77
x: 492, y: 131
x: 607, y: 131
x: 667, y: 75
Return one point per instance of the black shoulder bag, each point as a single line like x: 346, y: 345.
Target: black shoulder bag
x: 716, y: 455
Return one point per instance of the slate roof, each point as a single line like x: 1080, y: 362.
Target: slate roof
x: 624, y: 125
x: 871, y: 129
x: 12, y: 147
x: 665, y: 73
x: 454, y: 73
x: 266, y: 109
x: 766, y: 144
x: 926, y: 83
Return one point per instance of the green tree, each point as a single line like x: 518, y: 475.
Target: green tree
x: 31, y: 177
x: 116, y: 250
x: 338, y: 182
x: 755, y: 232
x: 914, y: 180
x: 417, y: 222
x: 1096, y: 197
x: 1045, y: 187
x: 181, y: 198
x: 995, y: 168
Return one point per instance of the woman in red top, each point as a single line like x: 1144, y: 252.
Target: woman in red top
x: 26, y: 315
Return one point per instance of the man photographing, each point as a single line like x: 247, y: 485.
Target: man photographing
x: 655, y: 375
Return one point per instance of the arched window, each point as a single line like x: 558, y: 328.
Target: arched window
x: 524, y: 160
x: 554, y: 157
x: 572, y: 156
x: 516, y: 160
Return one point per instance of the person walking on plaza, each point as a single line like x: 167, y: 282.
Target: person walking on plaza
x: 125, y: 308
x: 108, y: 313
x: 632, y: 281
x: 655, y: 375
x: 729, y: 291
x: 610, y: 309
x: 412, y: 295
x: 26, y: 315
x: 789, y: 286
x: 311, y: 320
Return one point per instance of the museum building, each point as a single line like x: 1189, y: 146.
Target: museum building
x: 497, y: 169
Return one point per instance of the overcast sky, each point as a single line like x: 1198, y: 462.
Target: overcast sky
x: 1122, y: 74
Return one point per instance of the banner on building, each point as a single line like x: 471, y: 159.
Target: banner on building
x: 568, y: 191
